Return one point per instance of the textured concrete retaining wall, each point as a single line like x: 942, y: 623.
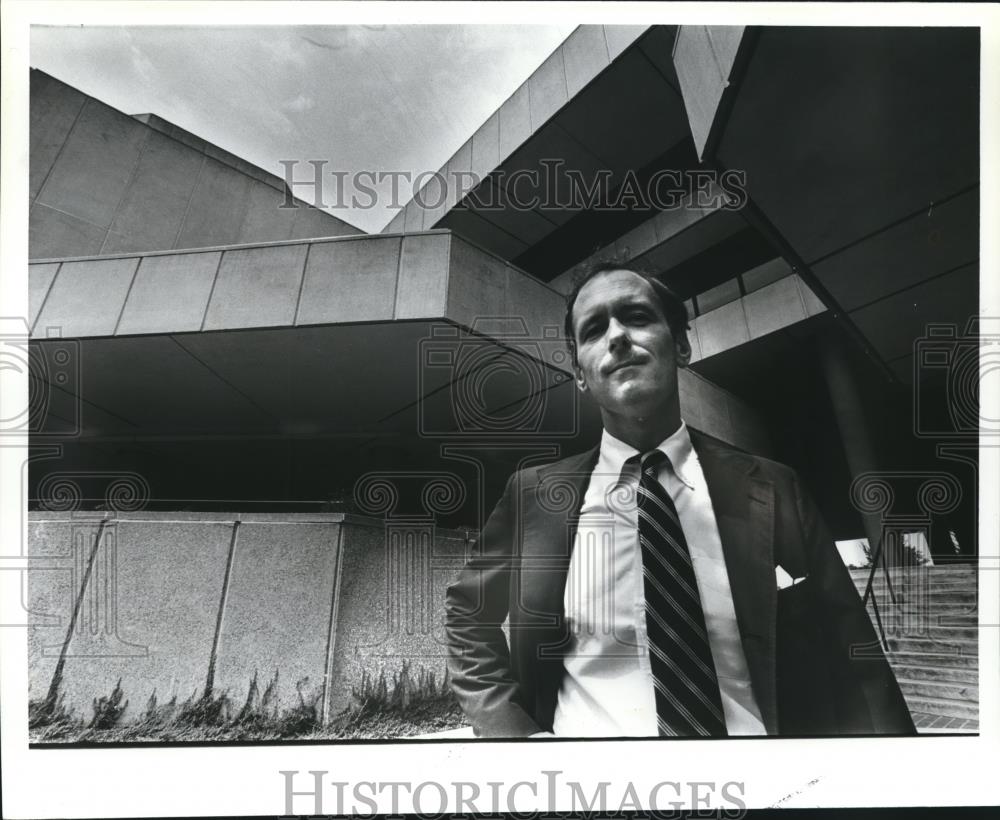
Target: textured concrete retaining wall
x: 168, y: 602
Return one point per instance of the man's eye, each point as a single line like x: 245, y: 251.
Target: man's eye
x: 638, y: 316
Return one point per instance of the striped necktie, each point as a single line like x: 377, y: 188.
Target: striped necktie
x: 687, y: 690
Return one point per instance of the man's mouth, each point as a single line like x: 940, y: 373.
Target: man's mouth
x: 626, y: 363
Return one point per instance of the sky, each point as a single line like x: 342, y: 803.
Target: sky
x: 361, y: 97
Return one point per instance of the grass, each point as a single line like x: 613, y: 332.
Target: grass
x: 409, y: 705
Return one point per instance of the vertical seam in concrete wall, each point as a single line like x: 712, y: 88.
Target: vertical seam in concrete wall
x: 135, y: 274
x: 53, y: 692
x: 331, y: 635
x: 55, y: 159
x: 210, y: 677
x: 399, y: 273
x: 45, y: 298
x: 187, y: 205
x: 395, y: 283
x: 211, y: 291
x: 125, y: 190
x: 302, y: 284
x: 447, y: 276
x: 248, y: 192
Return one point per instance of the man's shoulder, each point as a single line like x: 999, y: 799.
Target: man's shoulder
x: 578, y: 464
x: 745, y: 462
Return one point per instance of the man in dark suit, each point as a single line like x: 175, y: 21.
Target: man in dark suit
x: 662, y: 583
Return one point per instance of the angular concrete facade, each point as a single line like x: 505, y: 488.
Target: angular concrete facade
x: 248, y: 360
x: 104, y: 182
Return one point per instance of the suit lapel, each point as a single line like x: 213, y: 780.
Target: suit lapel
x: 549, y: 515
x: 744, y: 512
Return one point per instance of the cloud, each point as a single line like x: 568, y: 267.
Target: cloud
x: 299, y: 104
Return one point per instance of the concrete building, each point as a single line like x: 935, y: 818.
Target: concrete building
x: 276, y: 432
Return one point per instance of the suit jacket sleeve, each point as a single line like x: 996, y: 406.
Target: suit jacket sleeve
x: 854, y: 638
x: 476, y: 605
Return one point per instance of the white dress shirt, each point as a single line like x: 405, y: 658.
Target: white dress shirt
x: 608, y: 687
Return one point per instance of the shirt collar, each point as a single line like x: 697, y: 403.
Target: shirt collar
x: 676, y: 447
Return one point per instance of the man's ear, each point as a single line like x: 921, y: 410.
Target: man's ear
x: 682, y: 350
x: 579, y: 378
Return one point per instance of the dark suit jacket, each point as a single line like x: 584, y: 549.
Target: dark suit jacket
x: 797, y: 641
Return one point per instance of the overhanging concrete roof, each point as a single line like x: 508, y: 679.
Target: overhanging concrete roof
x: 861, y: 153
x: 605, y: 101
x: 345, y: 336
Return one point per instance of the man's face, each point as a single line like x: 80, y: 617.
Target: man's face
x: 627, y: 358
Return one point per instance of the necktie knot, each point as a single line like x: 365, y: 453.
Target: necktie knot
x: 651, y: 463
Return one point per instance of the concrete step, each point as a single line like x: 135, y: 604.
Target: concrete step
x: 964, y: 692
x: 925, y: 599
x: 941, y: 674
x: 915, y: 628
x: 906, y: 658
x: 942, y: 706
x: 939, y: 570
x: 929, y: 646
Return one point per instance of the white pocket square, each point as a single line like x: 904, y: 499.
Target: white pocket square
x: 784, y: 579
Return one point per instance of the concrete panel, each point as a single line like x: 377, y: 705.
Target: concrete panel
x: 758, y: 277
x: 422, y: 288
x: 919, y: 248
x: 637, y: 241
x: 773, y: 307
x: 39, y: 281
x: 391, y: 605
x: 216, y: 209
x: 722, y: 329
x: 278, y: 610
x: 620, y: 38
x: 812, y: 302
x: 168, y: 580
x: 714, y: 405
x: 718, y: 296
x: 585, y: 55
x: 257, y: 287
x: 547, y: 89
x: 895, y: 323
x: 725, y: 44
x: 458, y: 177
x: 170, y: 293
x: 95, y: 164
x: 413, y: 216
x: 668, y: 224
x: 475, y: 228
x: 352, y: 280
x: 476, y: 284
x: 52, y: 234
x: 700, y: 78
x: 541, y: 308
x: 396, y: 223
x: 155, y: 202
x: 59, y: 551
x: 486, y: 146
x: 54, y: 107
x: 692, y: 335
x: 312, y: 222
x: 432, y: 199
x: 265, y: 220
x: 515, y: 122
x: 86, y: 298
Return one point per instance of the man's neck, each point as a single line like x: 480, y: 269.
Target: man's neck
x: 643, y: 433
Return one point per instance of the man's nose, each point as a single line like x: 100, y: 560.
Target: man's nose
x: 617, y: 335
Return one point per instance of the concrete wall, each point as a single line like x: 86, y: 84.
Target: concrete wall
x: 103, y: 182
x: 162, y: 601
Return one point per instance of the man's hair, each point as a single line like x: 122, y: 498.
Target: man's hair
x: 673, y: 307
